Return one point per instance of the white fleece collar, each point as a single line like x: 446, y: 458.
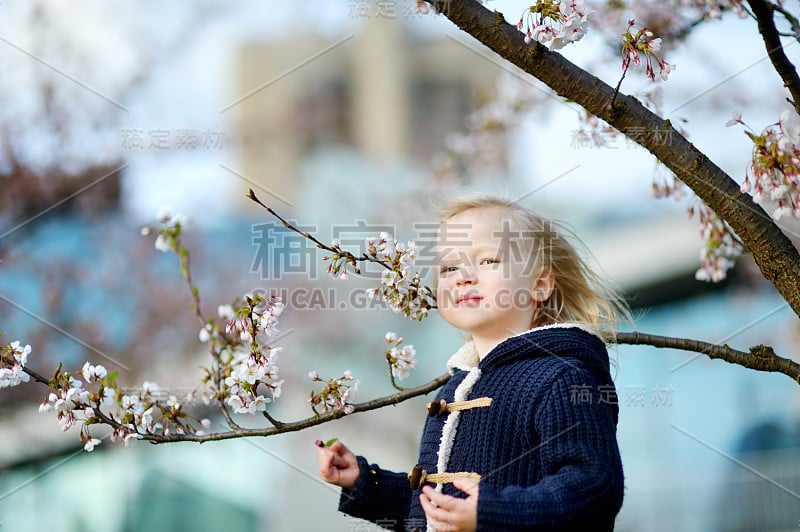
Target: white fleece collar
x: 464, y: 359
x: 467, y: 357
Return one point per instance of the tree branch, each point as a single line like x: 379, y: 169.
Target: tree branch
x: 305, y: 423
x: 342, y: 252
x: 793, y: 22
x: 774, y: 253
x: 764, y: 12
x: 760, y: 357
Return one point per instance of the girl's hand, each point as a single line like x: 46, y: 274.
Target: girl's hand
x: 337, y: 465
x: 444, y: 512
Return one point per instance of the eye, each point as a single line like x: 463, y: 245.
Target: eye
x: 489, y: 261
x: 448, y: 269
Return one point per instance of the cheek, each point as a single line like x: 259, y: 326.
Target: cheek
x: 442, y: 285
x: 442, y: 294
x: 444, y: 297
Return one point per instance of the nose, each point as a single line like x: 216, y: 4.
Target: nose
x: 466, y: 277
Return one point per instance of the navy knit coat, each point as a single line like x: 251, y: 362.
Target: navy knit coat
x: 546, y: 448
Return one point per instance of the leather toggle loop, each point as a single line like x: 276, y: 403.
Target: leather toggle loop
x: 442, y: 407
x: 436, y: 408
x: 418, y: 476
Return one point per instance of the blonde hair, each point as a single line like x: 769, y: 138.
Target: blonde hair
x: 579, y: 294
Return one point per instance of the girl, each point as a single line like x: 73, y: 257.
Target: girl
x: 523, y: 435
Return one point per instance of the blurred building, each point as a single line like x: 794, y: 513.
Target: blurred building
x: 387, y: 96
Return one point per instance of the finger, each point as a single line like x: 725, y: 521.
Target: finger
x: 338, y: 461
x: 323, y: 455
x: 337, y: 447
x: 325, y: 461
x: 433, y: 511
x: 440, y: 499
x: 468, y: 486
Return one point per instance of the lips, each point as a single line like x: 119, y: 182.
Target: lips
x: 469, y: 299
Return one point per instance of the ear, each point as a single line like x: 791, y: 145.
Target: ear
x: 543, y: 287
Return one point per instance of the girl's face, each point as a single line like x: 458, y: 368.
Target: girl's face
x: 486, y: 283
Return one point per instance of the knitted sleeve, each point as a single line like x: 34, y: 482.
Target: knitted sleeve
x: 380, y: 496
x: 582, y: 483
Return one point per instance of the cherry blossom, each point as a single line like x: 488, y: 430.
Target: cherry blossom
x: 17, y: 358
x: 637, y: 40
x: 131, y: 438
x: 712, y: 9
x: 93, y: 373
x: 736, y: 118
x: 721, y: 245
x: 721, y: 248
x: 337, y: 394
x: 168, y: 232
x: 775, y: 168
x: 205, y: 333
x: 248, y: 362
x: 12, y: 377
x: 91, y: 443
x: 225, y: 312
x: 593, y: 131
x: 163, y: 215
x: 255, y: 317
x: 401, y: 360
x: 400, y: 288
x: 244, y: 373
x: 555, y: 23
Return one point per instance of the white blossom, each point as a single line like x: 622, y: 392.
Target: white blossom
x: 736, y: 117
x: 91, y: 443
x: 163, y: 215
x: 402, y: 361
x: 780, y: 212
x: 162, y: 243
x: 225, y: 312
x: 149, y: 388
x: 131, y: 438
x: 93, y: 373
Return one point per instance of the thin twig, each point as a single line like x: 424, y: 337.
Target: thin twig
x: 305, y: 423
x: 342, y: 252
x: 394, y: 382
x: 761, y: 358
x: 349, y: 257
x: 793, y: 21
x: 183, y: 255
x: 616, y: 89
x: 275, y: 423
x: 764, y: 12
x: 228, y: 419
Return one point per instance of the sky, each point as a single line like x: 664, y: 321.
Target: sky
x: 190, y: 85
